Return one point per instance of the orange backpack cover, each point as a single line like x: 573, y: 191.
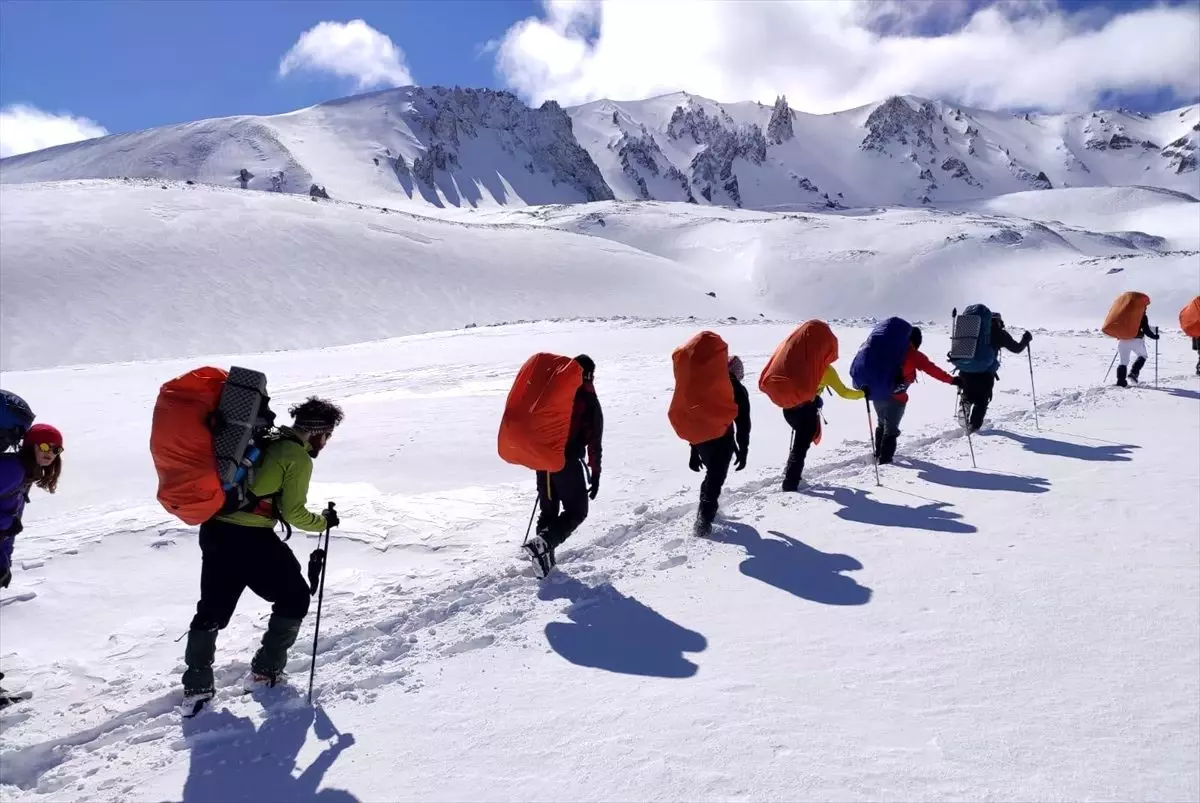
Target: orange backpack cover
x: 1189, y: 318
x: 181, y: 445
x: 793, y: 374
x: 702, y: 406
x: 537, y: 416
x: 1124, y: 318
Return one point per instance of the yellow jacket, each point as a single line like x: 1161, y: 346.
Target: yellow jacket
x: 831, y: 379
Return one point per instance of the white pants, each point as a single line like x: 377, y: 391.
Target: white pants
x: 1135, y: 346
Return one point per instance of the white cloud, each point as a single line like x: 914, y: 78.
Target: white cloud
x: 348, y: 50
x: 838, y: 54
x: 25, y: 128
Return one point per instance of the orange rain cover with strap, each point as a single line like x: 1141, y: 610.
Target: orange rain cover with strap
x: 793, y: 374
x: 537, y: 416
x: 181, y: 445
x: 702, y: 406
x: 1189, y: 318
x: 1124, y: 318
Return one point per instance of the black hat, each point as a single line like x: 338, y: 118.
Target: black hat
x: 915, y: 337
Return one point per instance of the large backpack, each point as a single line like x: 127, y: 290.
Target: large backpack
x: 206, y: 439
x: 537, y: 415
x: 1124, y: 319
x: 1189, y: 318
x: 877, y: 366
x: 15, y: 420
x: 971, y: 349
x: 702, y: 404
x: 793, y: 374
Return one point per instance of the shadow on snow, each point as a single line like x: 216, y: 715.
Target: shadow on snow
x: 858, y: 505
x: 795, y: 567
x: 1115, y: 453
x: 611, y: 631
x: 231, y: 760
x: 978, y: 480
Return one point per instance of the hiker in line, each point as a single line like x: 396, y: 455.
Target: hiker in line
x: 1134, y: 346
x: 977, y: 386
x: 241, y: 550
x: 1196, y: 348
x: 563, y: 496
x: 805, y: 421
x: 714, y: 456
x: 889, y: 410
x: 38, y: 462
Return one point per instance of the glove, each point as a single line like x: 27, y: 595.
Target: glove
x: 331, y: 517
x: 5, y: 577
x: 741, y: 461
x: 595, y: 486
x: 956, y: 381
x: 1027, y: 337
x: 695, y: 464
x: 316, y: 562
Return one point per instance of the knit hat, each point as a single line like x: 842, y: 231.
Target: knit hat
x: 44, y: 433
x: 736, y: 368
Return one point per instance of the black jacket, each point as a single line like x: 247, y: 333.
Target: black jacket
x: 1002, y: 339
x: 587, y: 428
x: 1145, y: 330
x: 741, y: 424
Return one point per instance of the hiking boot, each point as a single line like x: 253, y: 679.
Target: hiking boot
x: 1137, y: 368
x: 1121, y: 371
x: 272, y: 655
x: 539, y: 554
x: 887, y: 449
x: 256, y: 681
x: 199, y: 654
x: 879, y: 442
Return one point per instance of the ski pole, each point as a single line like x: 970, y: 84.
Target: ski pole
x: 530, y: 524
x: 1110, y: 365
x: 1033, y: 387
x: 871, y: 438
x: 312, y: 669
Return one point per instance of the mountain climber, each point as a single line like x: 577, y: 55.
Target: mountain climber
x: 1134, y: 346
x: 977, y: 386
x: 38, y: 462
x: 805, y: 421
x: 563, y: 496
x: 714, y: 456
x: 241, y: 550
x: 890, y: 409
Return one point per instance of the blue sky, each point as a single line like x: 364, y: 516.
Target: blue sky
x: 127, y: 65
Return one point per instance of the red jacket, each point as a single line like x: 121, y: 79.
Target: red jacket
x: 913, y: 361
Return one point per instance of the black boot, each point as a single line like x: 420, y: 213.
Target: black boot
x: 272, y: 655
x: 879, y: 443
x: 1137, y: 368
x: 1121, y: 383
x: 887, y: 449
x: 199, y: 654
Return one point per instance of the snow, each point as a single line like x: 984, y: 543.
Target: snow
x: 1026, y: 630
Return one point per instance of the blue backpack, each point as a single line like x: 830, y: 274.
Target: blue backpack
x: 15, y: 420
x: 971, y: 349
x: 879, y: 360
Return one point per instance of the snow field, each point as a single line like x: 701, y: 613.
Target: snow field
x: 1025, y: 630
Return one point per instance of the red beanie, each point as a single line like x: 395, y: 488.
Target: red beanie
x: 44, y: 433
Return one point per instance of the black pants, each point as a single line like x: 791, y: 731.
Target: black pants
x: 563, y: 499
x: 716, y: 456
x: 236, y: 558
x: 804, y: 421
x: 977, y: 392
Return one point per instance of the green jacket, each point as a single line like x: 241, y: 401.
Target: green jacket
x: 285, y: 470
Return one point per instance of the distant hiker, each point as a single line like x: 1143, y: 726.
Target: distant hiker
x: 889, y: 410
x: 1189, y: 322
x: 1128, y: 323
x: 38, y: 462
x: 975, y: 345
x: 241, y: 550
x: 799, y: 369
x: 715, y: 455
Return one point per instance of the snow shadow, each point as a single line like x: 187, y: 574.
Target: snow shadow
x: 858, y: 505
x: 1182, y: 393
x: 231, y: 760
x: 611, y: 631
x: 1111, y: 452
x: 977, y: 480
x: 795, y: 567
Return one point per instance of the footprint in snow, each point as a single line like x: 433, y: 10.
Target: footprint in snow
x: 671, y: 563
x: 477, y: 643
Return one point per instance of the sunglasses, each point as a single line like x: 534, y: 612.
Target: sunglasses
x: 50, y: 448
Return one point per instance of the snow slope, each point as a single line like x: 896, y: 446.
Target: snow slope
x: 1027, y: 630
x: 444, y: 150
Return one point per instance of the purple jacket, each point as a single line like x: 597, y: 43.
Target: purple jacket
x: 12, y: 502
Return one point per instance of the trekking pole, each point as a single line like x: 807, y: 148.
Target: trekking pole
x: 530, y: 524
x: 1156, y: 356
x: 1033, y: 387
x: 871, y: 439
x: 1110, y: 365
x: 312, y: 669
x: 971, y: 446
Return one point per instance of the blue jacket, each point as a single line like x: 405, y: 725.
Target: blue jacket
x: 12, y: 502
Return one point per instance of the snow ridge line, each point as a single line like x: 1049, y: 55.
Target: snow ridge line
x: 385, y: 643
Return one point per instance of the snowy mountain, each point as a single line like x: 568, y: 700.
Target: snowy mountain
x: 468, y: 149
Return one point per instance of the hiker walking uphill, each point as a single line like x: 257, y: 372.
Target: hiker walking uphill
x: 1128, y: 323
x: 1189, y: 322
x: 799, y: 369
x: 975, y: 345
x: 552, y: 420
x: 710, y: 409
x: 889, y: 409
